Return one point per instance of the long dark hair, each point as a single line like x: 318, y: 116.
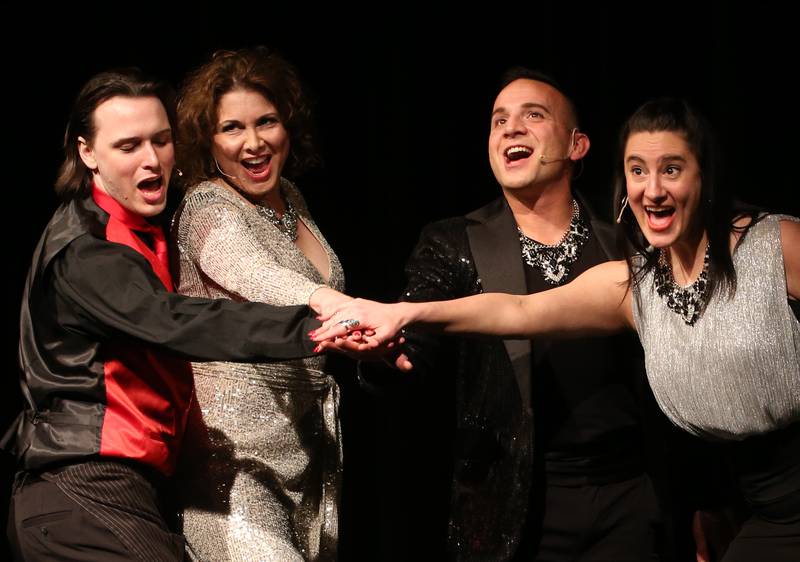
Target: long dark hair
x: 74, y: 179
x: 715, y: 208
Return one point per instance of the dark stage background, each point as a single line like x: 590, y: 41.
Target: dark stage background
x: 402, y: 111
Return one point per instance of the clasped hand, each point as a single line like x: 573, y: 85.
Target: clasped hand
x: 365, y: 330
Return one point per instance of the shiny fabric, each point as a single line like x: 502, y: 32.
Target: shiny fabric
x: 736, y: 372
x: 125, y: 227
x: 87, y: 298
x: 265, y: 485
x: 494, y: 443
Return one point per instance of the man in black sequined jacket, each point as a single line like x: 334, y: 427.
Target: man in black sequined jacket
x: 549, y: 460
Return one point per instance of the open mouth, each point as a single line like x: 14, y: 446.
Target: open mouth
x: 518, y: 152
x: 150, y: 184
x: 659, y: 218
x: 257, y: 166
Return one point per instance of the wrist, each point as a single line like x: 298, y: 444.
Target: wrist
x: 319, y: 296
x: 406, y: 313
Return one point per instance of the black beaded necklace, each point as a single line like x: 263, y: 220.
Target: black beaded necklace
x: 688, y: 302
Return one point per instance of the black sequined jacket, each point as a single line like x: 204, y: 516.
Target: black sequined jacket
x: 494, y: 438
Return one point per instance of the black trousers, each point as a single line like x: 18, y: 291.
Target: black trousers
x: 99, y: 510
x: 767, y: 468
x: 619, y: 522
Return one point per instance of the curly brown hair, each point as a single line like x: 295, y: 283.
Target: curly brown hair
x: 257, y: 69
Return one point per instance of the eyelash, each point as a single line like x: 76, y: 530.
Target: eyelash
x: 531, y: 114
x: 637, y: 171
x: 268, y: 121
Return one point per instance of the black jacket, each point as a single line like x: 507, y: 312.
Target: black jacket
x: 494, y: 441
x: 89, y: 302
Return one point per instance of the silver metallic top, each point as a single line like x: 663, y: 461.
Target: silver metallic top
x: 736, y: 372
x: 266, y: 479
x: 228, y: 250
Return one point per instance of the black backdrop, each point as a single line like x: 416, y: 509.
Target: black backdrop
x: 402, y: 107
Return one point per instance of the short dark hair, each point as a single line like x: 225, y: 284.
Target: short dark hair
x: 257, y: 69
x: 524, y: 73
x: 74, y: 178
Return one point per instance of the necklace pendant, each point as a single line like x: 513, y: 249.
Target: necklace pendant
x: 687, y: 302
x: 555, y: 277
x: 554, y: 262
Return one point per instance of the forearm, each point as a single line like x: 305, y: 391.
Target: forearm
x: 113, y: 293
x: 491, y: 314
x: 598, y: 302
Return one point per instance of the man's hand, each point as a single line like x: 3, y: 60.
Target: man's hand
x: 353, y: 345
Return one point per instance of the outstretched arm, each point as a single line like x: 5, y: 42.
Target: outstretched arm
x: 597, y: 302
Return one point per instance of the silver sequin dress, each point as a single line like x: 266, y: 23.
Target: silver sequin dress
x: 266, y: 484
x: 736, y: 372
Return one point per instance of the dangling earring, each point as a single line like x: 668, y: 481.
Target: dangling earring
x: 622, y: 210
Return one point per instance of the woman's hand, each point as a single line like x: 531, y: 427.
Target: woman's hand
x: 378, y: 323
x: 325, y: 301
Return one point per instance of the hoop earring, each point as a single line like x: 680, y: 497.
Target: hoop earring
x: 622, y: 210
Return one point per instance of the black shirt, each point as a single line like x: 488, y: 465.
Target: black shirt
x: 586, y: 415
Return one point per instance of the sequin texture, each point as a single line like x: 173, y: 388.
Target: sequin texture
x: 265, y: 484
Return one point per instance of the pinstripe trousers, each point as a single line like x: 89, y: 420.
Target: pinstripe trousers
x: 97, y: 510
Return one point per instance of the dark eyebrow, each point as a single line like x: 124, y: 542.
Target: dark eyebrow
x: 665, y: 158
x: 128, y: 140
x: 527, y: 105
x: 530, y: 105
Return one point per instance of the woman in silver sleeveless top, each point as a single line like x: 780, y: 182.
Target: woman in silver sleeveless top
x: 263, y: 481
x: 713, y: 294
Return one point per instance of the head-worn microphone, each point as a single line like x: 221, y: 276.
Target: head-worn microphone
x: 544, y: 160
x: 223, y: 173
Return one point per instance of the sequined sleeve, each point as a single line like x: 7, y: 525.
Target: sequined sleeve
x: 439, y: 268
x: 221, y: 239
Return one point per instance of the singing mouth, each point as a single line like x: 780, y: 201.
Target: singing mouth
x: 257, y: 165
x: 150, y: 184
x: 517, y: 152
x: 660, y: 212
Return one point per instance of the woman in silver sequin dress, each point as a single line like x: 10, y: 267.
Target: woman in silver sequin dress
x: 713, y: 294
x: 264, y: 481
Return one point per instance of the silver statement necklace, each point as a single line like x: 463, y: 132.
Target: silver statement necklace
x: 554, y: 261
x: 286, y: 223
x: 688, y: 302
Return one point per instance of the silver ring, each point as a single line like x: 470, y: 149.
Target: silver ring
x: 349, y: 324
